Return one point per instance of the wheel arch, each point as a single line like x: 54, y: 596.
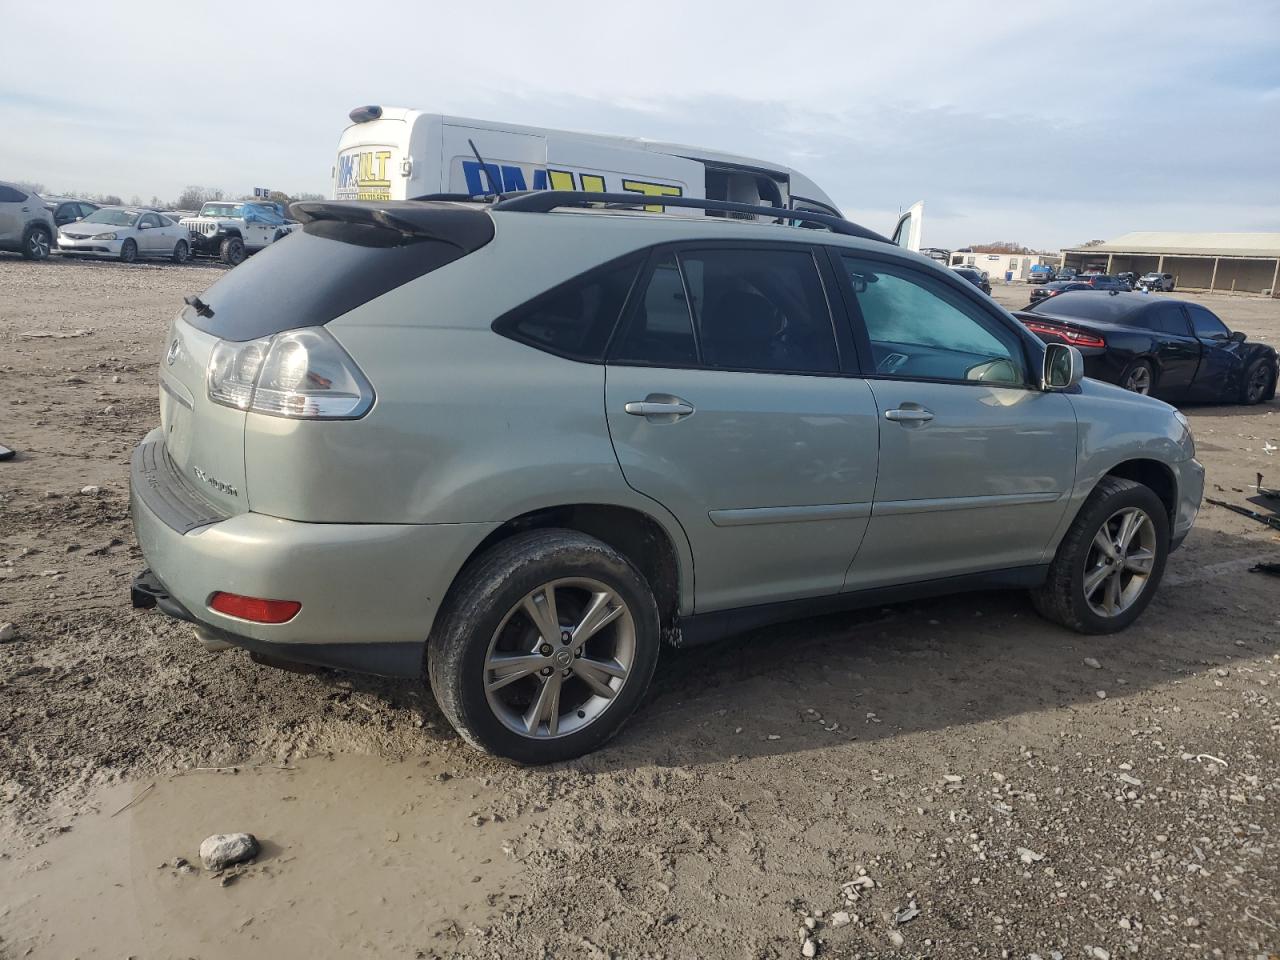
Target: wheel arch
x: 1154, y: 475
x: 637, y: 535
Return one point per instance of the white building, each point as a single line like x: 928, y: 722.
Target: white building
x: 1018, y: 265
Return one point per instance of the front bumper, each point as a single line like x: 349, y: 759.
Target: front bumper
x: 369, y: 592
x: 90, y: 246
x: 206, y: 244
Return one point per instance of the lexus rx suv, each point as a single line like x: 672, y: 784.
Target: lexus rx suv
x: 514, y: 448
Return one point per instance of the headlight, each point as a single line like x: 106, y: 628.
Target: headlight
x: 105, y: 236
x: 1188, y: 438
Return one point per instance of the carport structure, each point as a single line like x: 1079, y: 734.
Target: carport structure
x: 1229, y: 262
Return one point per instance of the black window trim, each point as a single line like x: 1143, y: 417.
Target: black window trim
x: 505, y: 324
x: 1032, y: 352
x: 846, y: 349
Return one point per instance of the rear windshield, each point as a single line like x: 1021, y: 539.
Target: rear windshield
x: 313, y: 276
x: 1091, y: 305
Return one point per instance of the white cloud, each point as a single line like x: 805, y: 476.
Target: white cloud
x: 1011, y: 121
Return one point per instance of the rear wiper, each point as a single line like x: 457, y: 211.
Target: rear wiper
x: 202, y: 308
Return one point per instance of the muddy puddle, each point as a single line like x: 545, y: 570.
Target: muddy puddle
x: 360, y: 857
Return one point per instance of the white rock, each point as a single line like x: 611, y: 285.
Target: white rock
x: 810, y: 949
x: 1029, y: 856
x: 1091, y: 662
x: 810, y: 923
x: 223, y: 849
x: 1100, y: 954
x: 91, y: 490
x: 896, y: 938
x: 840, y: 918
x: 8, y: 631
x: 1132, y: 781
x: 952, y: 778
x: 1102, y: 694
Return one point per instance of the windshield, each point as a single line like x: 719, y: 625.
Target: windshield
x: 221, y: 209
x: 117, y: 218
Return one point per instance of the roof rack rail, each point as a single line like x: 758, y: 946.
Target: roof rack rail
x: 545, y: 201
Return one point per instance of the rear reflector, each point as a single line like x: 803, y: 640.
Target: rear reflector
x: 254, y: 609
x: 1077, y: 338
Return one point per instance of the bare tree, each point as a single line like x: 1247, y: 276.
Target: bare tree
x: 30, y: 186
x: 194, y: 197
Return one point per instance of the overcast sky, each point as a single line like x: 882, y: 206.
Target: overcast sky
x: 1014, y: 121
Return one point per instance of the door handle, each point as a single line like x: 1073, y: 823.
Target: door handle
x: 652, y: 408
x: 661, y: 408
x: 909, y: 415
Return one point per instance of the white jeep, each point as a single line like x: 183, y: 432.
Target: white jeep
x: 232, y: 229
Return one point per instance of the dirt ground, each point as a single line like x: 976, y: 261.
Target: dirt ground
x: 942, y: 779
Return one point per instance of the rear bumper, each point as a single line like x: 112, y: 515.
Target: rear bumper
x: 369, y: 592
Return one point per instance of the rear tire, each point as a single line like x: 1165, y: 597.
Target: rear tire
x: 181, y: 251
x: 489, y: 615
x: 232, y: 251
x: 1138, y: 377
x: 1077, y: 591
x: 128, y: 251
x: 37, y: 243
x: 1258, y: 385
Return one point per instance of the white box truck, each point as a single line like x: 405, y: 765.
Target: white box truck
x: 394, y: 153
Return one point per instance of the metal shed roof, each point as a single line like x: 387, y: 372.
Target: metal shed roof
x: 1264, y: 245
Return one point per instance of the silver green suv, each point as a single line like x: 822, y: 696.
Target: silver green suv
x: 515, y: 447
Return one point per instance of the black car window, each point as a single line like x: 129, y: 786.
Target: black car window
x: 922, y: 329
x: 1166, y: 318
x: 760, y: 309
x: 659, y: 329
x: 150, y: 220
x: 575, y: 319
x: 66, y: 212
x: 1205, y: 324
x: 10, y: 195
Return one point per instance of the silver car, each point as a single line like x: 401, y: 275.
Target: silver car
x: 513, y: 449
x: 26, y: 224
x: 127, y: 234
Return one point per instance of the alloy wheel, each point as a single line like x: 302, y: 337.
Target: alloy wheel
x: 1259, y: 381
x: 38, y: 244
x: 1118, y: 565
x: 1139, y: 380
x: 559, y: 658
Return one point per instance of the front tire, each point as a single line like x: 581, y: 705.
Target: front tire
x: 1257, y: 383
x: 545, y: 647
x: 181, y: 251
x: 232, y: 251
x: 128, y: 251
x: 1109, y: 564
x: 37, y: 244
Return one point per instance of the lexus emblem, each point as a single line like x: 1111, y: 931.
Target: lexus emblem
x: 175, y: 348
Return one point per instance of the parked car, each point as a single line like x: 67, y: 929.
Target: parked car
x: 1130, y: 280
x: 1172, y: 349
x: 978, y: 278
x: 1055, y: 288
x: 1100, y: 281
x: 490, y: 443
x: 125, y: 233
x: 26, y: 225
x: 1157, y: 281
x: 231, y: 230
x: 1066, y: 273
x: 1041, y: 273
x: 65, y: 210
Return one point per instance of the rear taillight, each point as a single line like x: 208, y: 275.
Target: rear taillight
x: 255, y: 609
x: 302, y: 374
x: 1077, y: 338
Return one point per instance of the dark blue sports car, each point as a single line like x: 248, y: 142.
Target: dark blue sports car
x: 1172, y: 349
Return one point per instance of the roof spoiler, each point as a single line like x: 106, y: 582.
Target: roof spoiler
x: 466, y: 228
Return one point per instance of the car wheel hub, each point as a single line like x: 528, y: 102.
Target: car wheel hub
x: 559, y: 658
x: 1119, y: 562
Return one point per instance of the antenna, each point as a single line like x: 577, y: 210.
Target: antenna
x: 488, y: 171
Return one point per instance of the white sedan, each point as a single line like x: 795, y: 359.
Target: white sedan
x: 125, y: 233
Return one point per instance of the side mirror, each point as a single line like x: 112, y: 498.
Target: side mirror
x: 1063, y: 367
x: 1238, y: 336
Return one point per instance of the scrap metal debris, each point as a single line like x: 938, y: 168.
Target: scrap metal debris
x: 1272, y: 522
x: 1271, y: 568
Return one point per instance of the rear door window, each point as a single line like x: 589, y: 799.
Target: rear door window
x: 1166, y: 318
x: 743, y: 308
x: 10, y: 195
